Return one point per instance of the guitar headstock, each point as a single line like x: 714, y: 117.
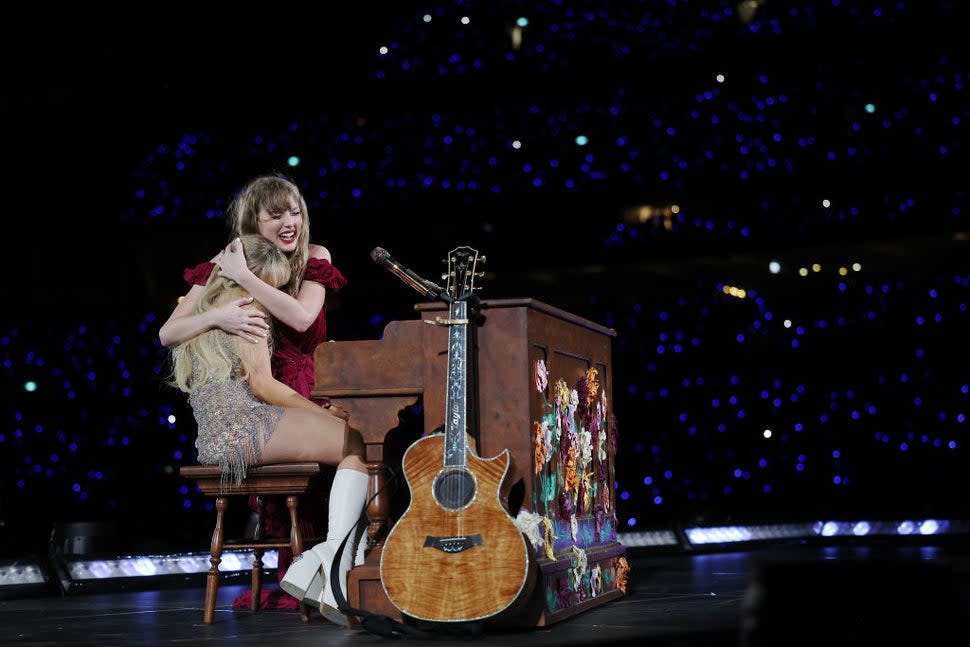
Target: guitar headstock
x: 462, y: 272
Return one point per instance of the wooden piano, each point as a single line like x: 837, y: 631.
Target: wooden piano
x: 563, y: 452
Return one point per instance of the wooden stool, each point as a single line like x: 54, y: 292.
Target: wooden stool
x: 290, y: 479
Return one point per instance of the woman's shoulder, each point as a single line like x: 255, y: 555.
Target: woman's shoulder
x: 321, y: 252
x: 320, y: 269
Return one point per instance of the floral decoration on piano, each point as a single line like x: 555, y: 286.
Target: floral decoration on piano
x: 574, y: 445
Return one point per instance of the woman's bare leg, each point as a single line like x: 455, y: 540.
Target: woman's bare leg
x: 303, y: 435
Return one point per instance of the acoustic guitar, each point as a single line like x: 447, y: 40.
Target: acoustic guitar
x: 456, y: 555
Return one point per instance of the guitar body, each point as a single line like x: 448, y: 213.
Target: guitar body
x: 455, y: 555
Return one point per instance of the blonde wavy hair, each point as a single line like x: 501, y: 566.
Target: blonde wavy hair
x: 210, y: 356
x: 273, y: 193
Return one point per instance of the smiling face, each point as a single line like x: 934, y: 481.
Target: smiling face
x: 281, y: 224
x: 274, y: 208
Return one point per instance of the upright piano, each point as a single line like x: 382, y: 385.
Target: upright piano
x: 530, y: 360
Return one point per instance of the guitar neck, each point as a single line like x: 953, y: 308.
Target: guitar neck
x: 456, y: 401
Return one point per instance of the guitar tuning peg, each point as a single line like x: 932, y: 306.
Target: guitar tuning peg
x: 482, y: 273
x: 444, y: 276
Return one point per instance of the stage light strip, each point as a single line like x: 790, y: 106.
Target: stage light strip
x: 736, y: 534
x: 649, y: 538
x: 861, y: 528
x: 155, y: 565
x: 21, y: 572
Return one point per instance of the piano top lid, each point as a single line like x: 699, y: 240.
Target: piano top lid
x: 525, y: 303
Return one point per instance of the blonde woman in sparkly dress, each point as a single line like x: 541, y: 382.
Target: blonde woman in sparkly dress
x: 247, y: 417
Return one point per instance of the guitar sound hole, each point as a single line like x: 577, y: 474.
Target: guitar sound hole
x: 454, y: 490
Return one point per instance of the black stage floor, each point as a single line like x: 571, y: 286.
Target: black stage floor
x: 855, y: 594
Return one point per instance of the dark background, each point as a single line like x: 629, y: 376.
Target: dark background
x: 125, y: 135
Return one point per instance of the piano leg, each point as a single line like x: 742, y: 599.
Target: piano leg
x: 378, y: 507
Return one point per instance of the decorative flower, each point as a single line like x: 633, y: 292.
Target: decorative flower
x: 582, y: 496
x: 567, y: 437
x: 579, y: 565
x: 549, y: 538
x: 570, y: 476
x: 587, y: 488
x: 573, y: 435
x: 539, y: 455
x: 596, y: 580
x: 561, y: 393
x: 622, y: 573
x: 592, y: 385
x: 601, y: 447
x: 528, y: 523
x: 540, y: 375
x: 547, y: 433
x: 585, y: 449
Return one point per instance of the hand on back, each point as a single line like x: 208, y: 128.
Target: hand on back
x: 236, y: 319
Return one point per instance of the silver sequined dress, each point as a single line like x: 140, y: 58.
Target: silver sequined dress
x: 233, y: 424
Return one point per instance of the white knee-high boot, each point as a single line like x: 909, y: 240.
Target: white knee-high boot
x: 308, y: 577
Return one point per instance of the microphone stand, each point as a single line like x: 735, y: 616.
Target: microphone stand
x: 424, y: 287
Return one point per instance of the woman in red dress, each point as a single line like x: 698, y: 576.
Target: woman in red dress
x: 273, y: 207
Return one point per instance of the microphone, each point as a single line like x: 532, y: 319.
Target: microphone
x: 426, y: 288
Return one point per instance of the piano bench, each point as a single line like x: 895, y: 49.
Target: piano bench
x: 287, y: 479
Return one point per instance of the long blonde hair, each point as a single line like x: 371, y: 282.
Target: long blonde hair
x: 211, y: 356
x: 273, y: 193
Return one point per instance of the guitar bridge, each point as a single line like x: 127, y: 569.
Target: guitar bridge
x: 453, y: 544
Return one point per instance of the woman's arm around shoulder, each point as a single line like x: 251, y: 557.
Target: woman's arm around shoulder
x: 298, y: 313
x: 185, y: 323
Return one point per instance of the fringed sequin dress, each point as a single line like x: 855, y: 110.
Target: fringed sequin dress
x: 233, y: 425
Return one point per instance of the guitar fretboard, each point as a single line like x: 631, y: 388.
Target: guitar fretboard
x: 455, y: 405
